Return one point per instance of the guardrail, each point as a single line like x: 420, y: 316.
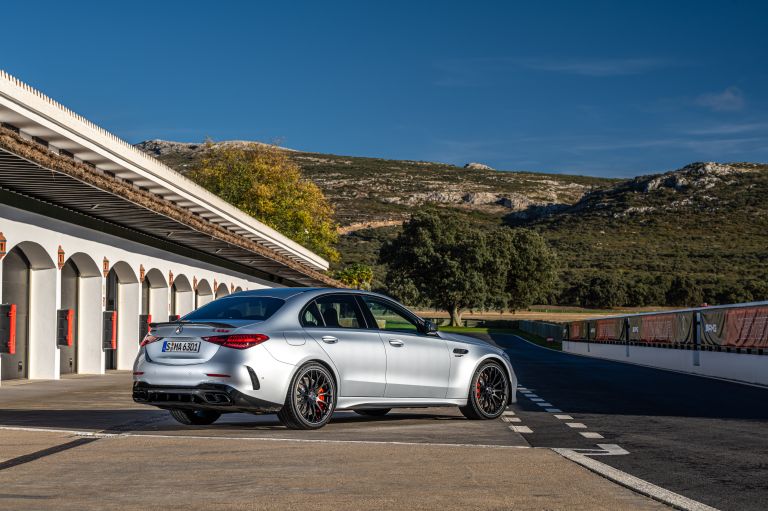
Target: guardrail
x: 737, y: 328
x: 728, y: 341
x: 555, y: 331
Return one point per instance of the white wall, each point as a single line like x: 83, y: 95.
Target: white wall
x: 90, y: 356
x: 733, y: 366
x: 19, y: 226
x: 43, y: 296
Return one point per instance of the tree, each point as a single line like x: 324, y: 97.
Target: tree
x: 358, y: 276
x: 440, y: 260
x: 683, y: 291
x: 531, y: 266
x: 262, y: 181
x: 605, y: 291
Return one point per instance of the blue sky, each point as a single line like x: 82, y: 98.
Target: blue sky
x: 599, y: 88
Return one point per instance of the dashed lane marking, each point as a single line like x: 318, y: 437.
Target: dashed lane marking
x: 544, y: 405
x: 576, y: 425
x: 563, y: 417
x: 590, y: 434
x: 508, y: 413
x: 553, y: 410
x: 511, y: 419
x: 536, y: 399
x: 521, y: 429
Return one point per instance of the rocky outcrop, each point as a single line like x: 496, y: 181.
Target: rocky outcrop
x: 478, y: 166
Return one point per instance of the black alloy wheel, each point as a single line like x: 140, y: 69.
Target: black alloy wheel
x: 311, y: 398
x: 488, y: 393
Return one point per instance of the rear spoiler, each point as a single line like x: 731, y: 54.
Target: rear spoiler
x: 192, y: 323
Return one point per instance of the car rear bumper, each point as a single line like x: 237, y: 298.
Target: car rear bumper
x: 206, y: 396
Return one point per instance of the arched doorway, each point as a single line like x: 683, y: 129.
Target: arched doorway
x: 81, y: 293
x: 122, y: 288
x: 203, y: 293
x: 182, y: 296
x: 222, y: 290
x: 29, y: 282
x: 154, y: 296
x: 238, y: 289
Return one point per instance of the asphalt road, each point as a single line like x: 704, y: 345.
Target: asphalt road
x: 705, y: 439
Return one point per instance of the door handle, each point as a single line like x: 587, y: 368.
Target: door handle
x: 329, y: 339
x: 396, y: 343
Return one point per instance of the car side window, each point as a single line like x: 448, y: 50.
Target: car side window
x: 389, y: 317
x: 311, y: 316
x: 340, y: 311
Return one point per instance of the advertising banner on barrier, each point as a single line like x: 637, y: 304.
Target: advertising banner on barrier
x: 713, y: 327
x: 666, y: 328
x: 684, y: 325
x: 635, y: 328
x: 576, y: 331
x: 611, y: 329
x: 746, y: 327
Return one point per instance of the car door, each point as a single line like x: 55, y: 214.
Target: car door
x: 337, y: 323
x: 418, y: 365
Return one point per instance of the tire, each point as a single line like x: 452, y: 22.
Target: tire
x: 375, y: 412
x: 311, y: 398
x: 195, y: 417
x: 488, y: 393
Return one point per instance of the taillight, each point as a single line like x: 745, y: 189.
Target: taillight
x: 148, y: 339
x: 237, y: 341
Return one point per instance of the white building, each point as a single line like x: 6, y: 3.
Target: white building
x: 95, y: 232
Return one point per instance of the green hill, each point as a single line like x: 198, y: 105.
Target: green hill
x: 706, y: 221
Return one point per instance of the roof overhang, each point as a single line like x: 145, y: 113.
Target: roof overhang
x: 57, y: 157
x: 69, y: 133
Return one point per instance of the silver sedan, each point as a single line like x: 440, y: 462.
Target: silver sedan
x: 303, y: 353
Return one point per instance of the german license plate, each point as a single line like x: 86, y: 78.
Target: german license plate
x: 181, y: 346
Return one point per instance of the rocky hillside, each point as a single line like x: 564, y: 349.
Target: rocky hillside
x: 708, y: 221
x: 373, y: 192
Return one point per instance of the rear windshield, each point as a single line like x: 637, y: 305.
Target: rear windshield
x: 254, y: 308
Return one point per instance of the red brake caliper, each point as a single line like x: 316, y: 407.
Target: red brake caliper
x: 477, y: 389
x: 321, y: 397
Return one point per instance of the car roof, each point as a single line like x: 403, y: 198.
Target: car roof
x: 288, y: 292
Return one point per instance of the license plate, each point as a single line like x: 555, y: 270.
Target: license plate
x: 181, y: 346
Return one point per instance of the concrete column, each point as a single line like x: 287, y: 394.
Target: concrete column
x: 129, y: 305
x: 90, y: 356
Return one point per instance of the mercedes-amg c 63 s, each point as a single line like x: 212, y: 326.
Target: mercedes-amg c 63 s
x: 303, y: 353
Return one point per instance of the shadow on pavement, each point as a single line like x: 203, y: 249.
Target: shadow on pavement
x: 160, y: 420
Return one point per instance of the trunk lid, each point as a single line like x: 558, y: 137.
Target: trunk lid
x: 183, y: 344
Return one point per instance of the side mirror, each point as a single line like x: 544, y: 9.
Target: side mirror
x: 430, y: 328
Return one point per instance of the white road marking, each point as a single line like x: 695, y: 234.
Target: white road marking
x: 611, y: 450
x: 576, y: 425
x: 544, y: 405
x: 590, y: 434
x: 553, y: 410
x: 508, y: 413
x: 564, y: 417
x: 521, y: 429
x: 119, y: 436
x: 536, y: 399
x: 634, y: 483
x: 511, y: 419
